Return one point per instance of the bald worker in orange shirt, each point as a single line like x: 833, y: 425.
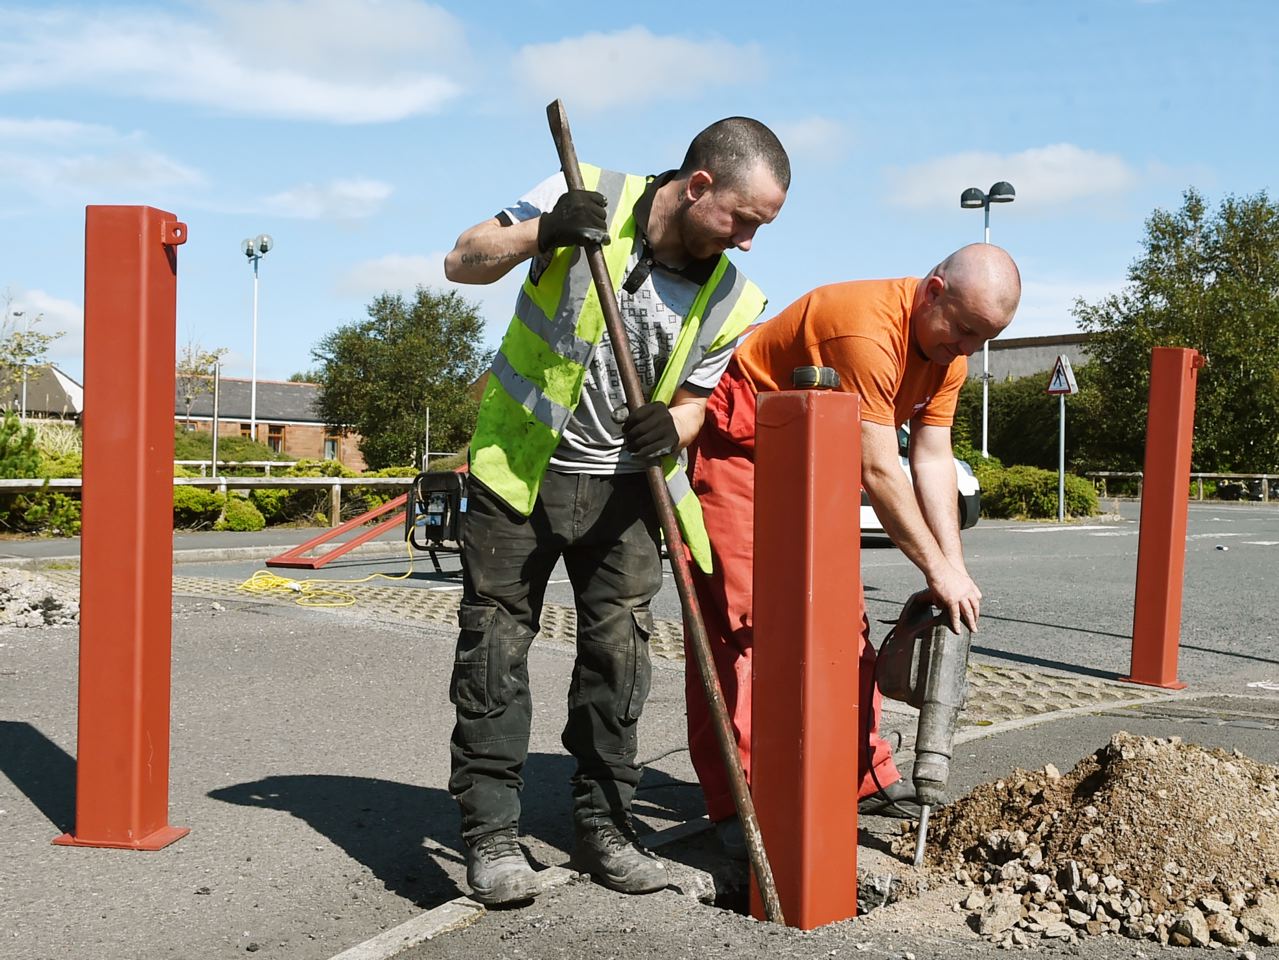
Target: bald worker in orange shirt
x: 902, y: 345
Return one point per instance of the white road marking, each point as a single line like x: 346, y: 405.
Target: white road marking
x: 1115, y: 533
x: 1264, y: 685
x: 1059, y: 529
x: 1262, y: 543
x: 1213, y: 536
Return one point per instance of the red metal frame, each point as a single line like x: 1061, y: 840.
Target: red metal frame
x: 126, y: 545
x: 805, y: 714
x: 1165, y: 496
x: 295, y: 557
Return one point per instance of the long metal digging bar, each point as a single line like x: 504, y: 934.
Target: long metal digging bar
x: 674, y: 539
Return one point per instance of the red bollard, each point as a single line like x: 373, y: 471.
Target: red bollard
x: 805, y: 712
x: 1165, y: 495
x: 126, y: 546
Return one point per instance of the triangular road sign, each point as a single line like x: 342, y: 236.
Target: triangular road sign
x: 1063, y: 379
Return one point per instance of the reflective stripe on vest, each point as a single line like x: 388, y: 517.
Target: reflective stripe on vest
x: 536, y: 379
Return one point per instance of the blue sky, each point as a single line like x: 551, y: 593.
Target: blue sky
x: 365, y: 136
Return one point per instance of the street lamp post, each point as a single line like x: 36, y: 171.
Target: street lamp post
x: 22, y: 409
x: 255, y: 250
x: 971, y: 199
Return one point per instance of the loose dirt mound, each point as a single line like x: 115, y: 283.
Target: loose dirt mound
x: 1151, y: 838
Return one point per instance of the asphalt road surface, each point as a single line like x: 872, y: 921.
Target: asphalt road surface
x: 1055, y: 595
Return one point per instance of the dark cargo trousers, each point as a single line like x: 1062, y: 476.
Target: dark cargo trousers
x: 606, y: 530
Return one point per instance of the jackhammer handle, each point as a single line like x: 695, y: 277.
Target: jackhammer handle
x: 683, y: 575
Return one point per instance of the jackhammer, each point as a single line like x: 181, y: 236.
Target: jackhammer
x: 923, y: 664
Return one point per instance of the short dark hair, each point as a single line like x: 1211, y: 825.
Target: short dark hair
x: 728, y: 149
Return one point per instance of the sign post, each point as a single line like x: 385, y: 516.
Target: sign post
x: 1062, y: 385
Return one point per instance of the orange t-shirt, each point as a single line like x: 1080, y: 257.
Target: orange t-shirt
x: 862, y: 330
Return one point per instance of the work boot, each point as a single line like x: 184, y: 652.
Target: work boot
x: 497, y: 871
x: 895, y: 800
x: 732, y: 838
x: 611, y: 853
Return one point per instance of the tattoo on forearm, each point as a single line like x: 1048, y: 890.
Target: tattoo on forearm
x: 483, y: 258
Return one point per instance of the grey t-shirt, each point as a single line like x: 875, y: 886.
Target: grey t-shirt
x: 652, y: 315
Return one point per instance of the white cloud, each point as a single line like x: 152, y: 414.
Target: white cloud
x: 395, y: 272
x: 301, y: 59
x: 630, y: 66
x: 38, y: 130
x: 819, y: 139
x: 336, y: 200
x: 63, y: 161
x: 403, y: 273
x: 55, y: 316
x: 1046, y: 304
x: 1055, y: 174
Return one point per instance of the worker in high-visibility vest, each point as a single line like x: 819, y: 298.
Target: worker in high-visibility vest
x: 901, y: 345
x: 557, y: 470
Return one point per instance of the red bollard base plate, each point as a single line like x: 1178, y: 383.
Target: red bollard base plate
x: 153, y: 841
x: 1174, y: 685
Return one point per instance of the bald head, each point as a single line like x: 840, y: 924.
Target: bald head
x: 967, y: 299
x: 984, y: 275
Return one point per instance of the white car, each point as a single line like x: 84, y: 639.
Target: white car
x: 966, y: 480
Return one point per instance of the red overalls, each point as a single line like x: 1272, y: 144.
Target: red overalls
x: 724, y: 480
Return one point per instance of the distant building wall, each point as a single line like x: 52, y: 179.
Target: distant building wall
x: 1023, y: 356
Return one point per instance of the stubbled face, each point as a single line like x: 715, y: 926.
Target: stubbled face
x: 717, y: 218
x: 947, y: 326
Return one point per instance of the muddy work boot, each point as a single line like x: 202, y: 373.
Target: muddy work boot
x: 732, y: 839
x: 895, y: 800
x: 611, y: 853
x: 497, y: 871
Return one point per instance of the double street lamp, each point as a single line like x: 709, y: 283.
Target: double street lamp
x: 971, y: 199
x: 255, y: 250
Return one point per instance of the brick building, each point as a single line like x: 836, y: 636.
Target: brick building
x: 287, y: 420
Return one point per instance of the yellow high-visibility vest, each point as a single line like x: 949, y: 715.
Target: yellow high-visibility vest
x: 536, y: 379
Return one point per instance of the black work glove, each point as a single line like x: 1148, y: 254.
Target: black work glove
x: 578, y: 217
x: 650, y: 431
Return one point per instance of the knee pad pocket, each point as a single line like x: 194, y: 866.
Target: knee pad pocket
x: 641, y: 663
x: 490, y: 660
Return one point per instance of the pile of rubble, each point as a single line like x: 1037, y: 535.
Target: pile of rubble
x: 30, y: 600
x: 1147, y: 838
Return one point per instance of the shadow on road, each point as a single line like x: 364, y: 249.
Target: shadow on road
x: 41, y: 770
x: 401, y: 831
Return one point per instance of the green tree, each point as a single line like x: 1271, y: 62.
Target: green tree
x: 381, y: 375
x: 21, y: 347
x: 196, y: 369
x: 1023, y: 421
x: 1207, y: 280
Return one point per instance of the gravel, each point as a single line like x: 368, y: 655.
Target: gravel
x: 1148, y: 838
x: 30, y: 600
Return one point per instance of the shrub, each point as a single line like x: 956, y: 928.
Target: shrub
x: 43, y: 510
x: 196, y: 508
x: 1028, y: 493
x: 305, y: 505
x: 240, y: 515
x: 198, y: 445
x: 61, y: 465
x: 19, y: 456
x: 448, y: 463
x: 57, y: 438
x: 50, y: 513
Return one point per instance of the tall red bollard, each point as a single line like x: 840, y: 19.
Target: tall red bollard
x: 805, y: 700
x: 126, y: 552
x: 1165, y: 495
